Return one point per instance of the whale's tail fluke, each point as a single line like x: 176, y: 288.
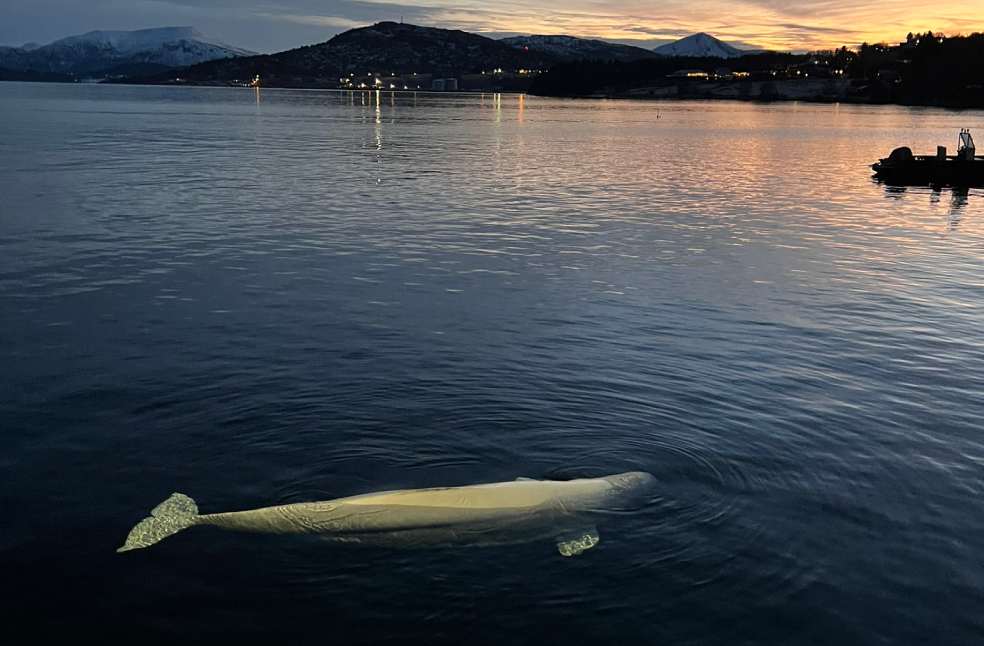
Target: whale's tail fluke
x: 170, y: 517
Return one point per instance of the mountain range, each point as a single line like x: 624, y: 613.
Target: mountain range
x: 385, y: 49
x: 389, y: 49
x: 100, y: 53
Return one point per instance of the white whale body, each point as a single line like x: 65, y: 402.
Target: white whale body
x: 495, y: 513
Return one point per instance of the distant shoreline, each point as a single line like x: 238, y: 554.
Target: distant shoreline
x: 829, y: 91
x: 722, y: 99
x: 230, y: 86
x: 636, y: 94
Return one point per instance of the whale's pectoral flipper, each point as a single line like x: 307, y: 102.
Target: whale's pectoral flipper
x: 170, y: 517
x: 575, y: 543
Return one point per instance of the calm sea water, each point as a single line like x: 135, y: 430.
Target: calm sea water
x: 287, y: 296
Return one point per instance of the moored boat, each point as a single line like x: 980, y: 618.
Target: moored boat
x: 901, y: 167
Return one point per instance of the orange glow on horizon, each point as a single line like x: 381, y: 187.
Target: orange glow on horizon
x: 794, y: 25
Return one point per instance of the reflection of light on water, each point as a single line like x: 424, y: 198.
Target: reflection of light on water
x: 379, y: 125
x: 802, y: 193
x: 958, y: 199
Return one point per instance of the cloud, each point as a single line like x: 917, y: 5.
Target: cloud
x: 320, y: 21
x: 268, y: 25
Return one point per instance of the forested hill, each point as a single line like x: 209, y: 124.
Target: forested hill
x: 386, y: 48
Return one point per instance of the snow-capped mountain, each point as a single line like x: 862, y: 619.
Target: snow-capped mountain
x: 700, y: 45
x: 99, y: 51
x: 569, y: 48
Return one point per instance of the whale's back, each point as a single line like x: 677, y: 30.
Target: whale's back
x: 519, y: 494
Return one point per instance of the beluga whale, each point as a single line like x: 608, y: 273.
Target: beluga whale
x: 482, y: 514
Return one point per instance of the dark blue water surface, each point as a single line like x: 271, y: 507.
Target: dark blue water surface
x: 259, y: 299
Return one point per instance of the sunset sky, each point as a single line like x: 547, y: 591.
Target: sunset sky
x: 272, y: 25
